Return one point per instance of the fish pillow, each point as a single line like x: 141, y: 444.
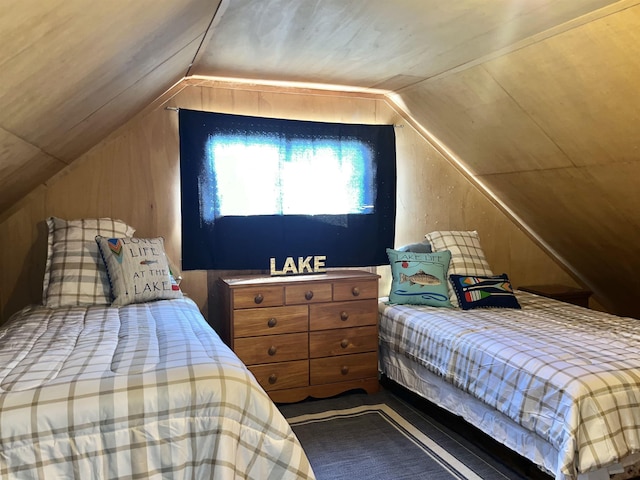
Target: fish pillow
x: 419, y: 278
x: 138, y: 269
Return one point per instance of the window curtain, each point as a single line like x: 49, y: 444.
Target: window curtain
x: 348, y: 232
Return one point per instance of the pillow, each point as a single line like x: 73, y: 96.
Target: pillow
x: 484, y: 291
x: 138, y: 269
x: 467, y: 256
x: 74, y: 271
x: 419, y: 278
x: 421, y: 247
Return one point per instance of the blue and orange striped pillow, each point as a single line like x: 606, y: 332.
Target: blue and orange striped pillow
x: 491, y: 291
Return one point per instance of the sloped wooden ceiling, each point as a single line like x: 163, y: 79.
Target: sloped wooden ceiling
x: 71, y: 72
x: 536, y: 100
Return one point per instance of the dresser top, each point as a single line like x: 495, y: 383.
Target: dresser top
x: 330, y: 276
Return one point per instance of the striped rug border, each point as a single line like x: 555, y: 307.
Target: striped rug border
x: 439, y: 454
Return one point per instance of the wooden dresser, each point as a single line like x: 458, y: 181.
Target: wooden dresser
x: 305, y: 336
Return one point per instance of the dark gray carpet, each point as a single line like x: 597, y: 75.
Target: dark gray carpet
x: 383, y: 437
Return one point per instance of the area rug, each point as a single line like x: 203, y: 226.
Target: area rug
x: 379, y: 436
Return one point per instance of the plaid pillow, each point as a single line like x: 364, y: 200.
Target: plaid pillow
x: 467, y: 256
x: 75, y: 273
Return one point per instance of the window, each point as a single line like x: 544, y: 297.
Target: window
x: 260, y: 176
x: 255, y: 188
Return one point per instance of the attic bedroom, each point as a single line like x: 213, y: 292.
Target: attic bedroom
x: 516, y: 120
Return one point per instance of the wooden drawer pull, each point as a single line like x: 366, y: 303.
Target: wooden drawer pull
x: 272, y: 350
x: 272, y: 322
x: 344, y: 370
x: 258, y: 298
x: 344, y: 316
x: 355, y: 291
x: 344, y: 343
x: 273, y: 378
x: 308, y: 295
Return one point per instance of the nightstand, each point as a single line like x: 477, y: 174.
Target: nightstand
x: 576, y: 296
x: 307, y: 335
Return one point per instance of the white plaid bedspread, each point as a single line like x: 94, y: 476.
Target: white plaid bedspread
x: 569, y: 374
x: 143, y: 391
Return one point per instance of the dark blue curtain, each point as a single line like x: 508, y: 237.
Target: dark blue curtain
x: 247, y: 242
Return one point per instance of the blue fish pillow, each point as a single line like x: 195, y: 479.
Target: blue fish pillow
x: 419, y: 278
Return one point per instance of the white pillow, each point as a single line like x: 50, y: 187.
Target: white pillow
x: 467, y: 256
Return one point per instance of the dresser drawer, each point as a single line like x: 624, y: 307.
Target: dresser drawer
x: 308, y: 293
x: 355, y: 290
x: 272, y: 348
x: 328, y: 316
x: 252, y: 322
x: 258, y: 296
x: 326, y: 343
x: 276, y: 376
x: 343, y: 368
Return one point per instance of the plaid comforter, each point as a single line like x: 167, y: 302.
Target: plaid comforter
x: 142, y: 391
x: 569, y: 374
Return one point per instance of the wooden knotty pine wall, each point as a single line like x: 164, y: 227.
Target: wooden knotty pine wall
x: 133, y: 175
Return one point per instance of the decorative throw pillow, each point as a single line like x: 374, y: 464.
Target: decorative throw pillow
x: 419, y: 278
x: 467, y: 256
x: 74, y: 271
x: 138, y: 269
x: 484, y: 291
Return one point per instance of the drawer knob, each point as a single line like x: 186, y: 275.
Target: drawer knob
x: 344, y: 370
x: 273, y: 378
x: 258, y: 298
x: 355, y: 291
x: 272, y: 322
x: 344, y: 316
x: 272, y: 350
x: 308, y: 295
x: 344, y: 343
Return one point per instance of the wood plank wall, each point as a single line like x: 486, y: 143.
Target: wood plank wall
x: 134, y: 175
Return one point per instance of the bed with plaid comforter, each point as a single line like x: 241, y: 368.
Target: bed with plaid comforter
x: 143, y: 391
x: 569, y: 374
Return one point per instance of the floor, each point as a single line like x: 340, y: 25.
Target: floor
x: 489, y: 446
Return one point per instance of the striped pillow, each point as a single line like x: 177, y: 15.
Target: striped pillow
x: 494, y: 291
x: 75, y: 273
x: 467, y: 256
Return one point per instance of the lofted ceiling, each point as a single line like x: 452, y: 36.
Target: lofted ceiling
x: 536, y: 99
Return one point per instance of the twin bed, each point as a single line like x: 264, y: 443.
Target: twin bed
x: 141, y: 389
x: 557, y: 383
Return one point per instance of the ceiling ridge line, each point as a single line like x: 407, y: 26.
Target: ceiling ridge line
x: 215, y: 19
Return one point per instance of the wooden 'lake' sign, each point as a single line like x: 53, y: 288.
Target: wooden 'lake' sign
x: 310, y: 264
